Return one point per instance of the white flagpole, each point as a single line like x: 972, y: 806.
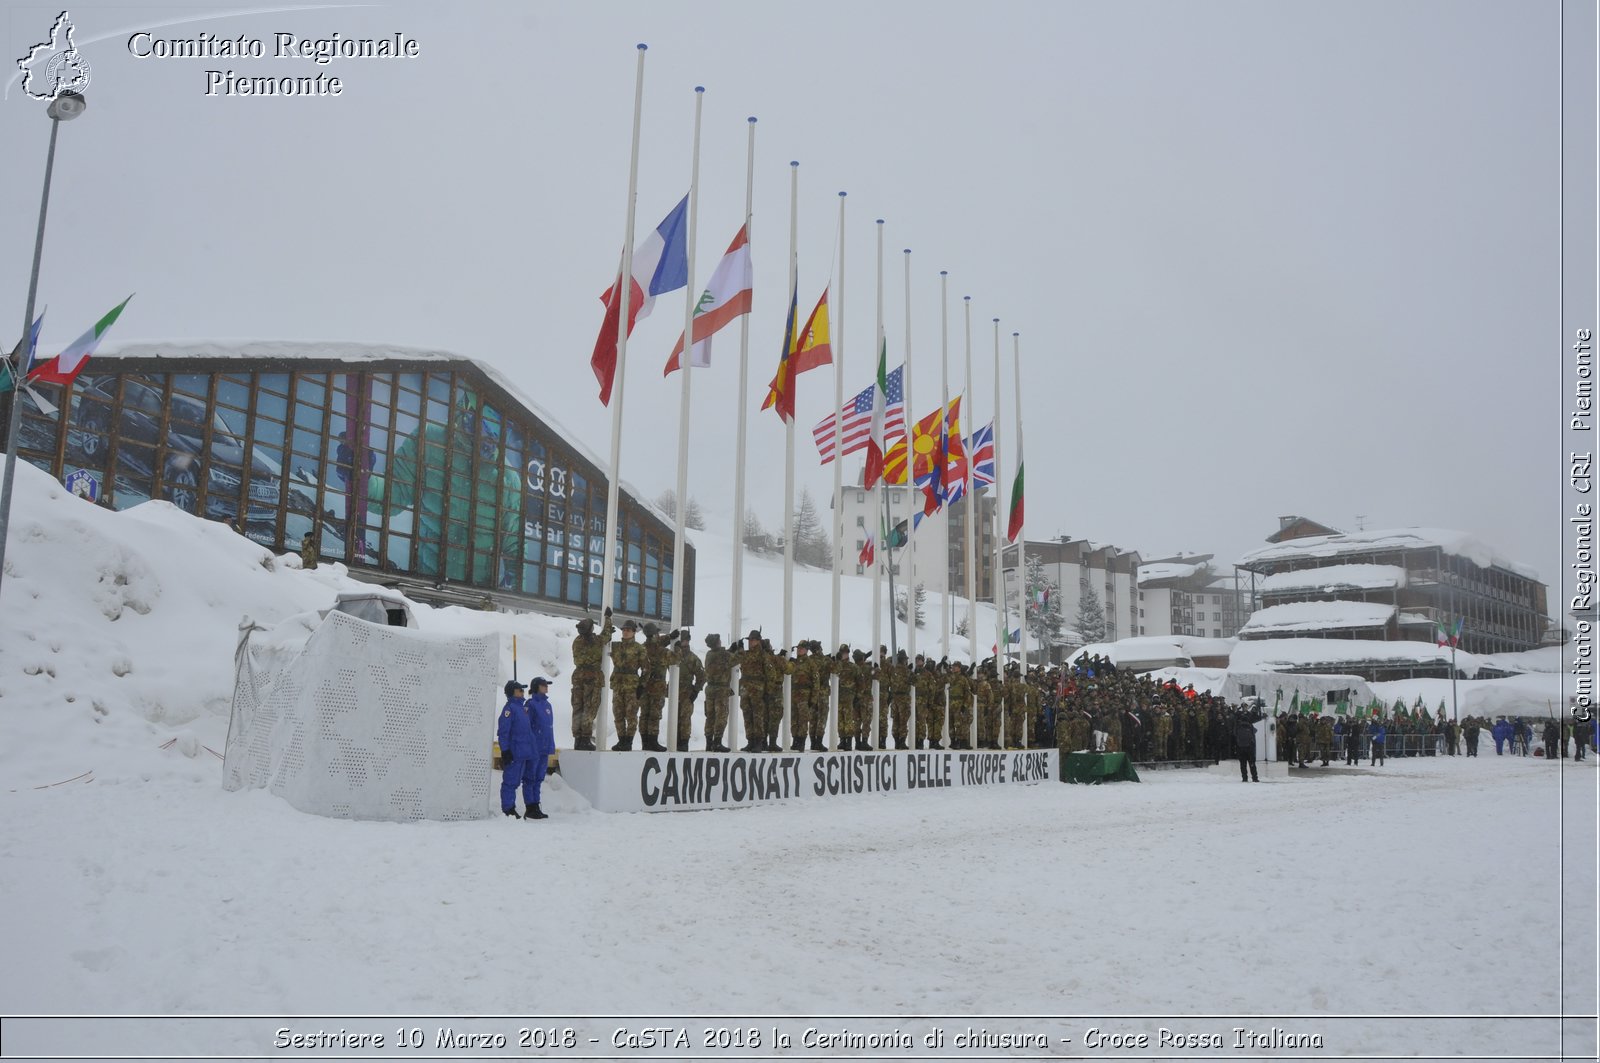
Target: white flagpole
x: 685, y: 367
x: 946, y: 609
x: 608, y: 569
x: 1022, y: 542
x: 910, y: 414
x: 736, y: 611
x: 882, y: 555
x: 1001, y: 624
x: 837, y: 336
x: 788, y: 443
x: 969, y: 518
x: 911, y: 579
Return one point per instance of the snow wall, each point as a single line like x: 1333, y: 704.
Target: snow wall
x: 367, y: 722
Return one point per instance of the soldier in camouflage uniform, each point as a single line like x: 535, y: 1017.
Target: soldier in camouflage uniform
x: 1325, y: 737
x: 844, y: 671
x: 923, y: 681
x: 691, y: 678
x: 960, y: 684
x: 653, y: 698
x: 1019, y: 714
x: 719, y: 687
x: 820, y: 696
x: 779, y: 666
x: 753, y: 692
x: 1163, y: 729
x: 897, y: 683
x: 587, y: 651
x: 865, y: 673
x: 800, y: 696
x: 627, y: 683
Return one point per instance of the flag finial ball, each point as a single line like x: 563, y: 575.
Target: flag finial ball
x: 880, y: 221
x: 842, y: 195
x: 644, y: 47
x: 752, y: 119
x: 966, y: 298
x: 944, y: 273
x: 699, y: 88
x: 794, y: 162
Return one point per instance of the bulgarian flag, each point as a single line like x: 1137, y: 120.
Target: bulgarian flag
x: 1014, y: 528
x: 64, y: 367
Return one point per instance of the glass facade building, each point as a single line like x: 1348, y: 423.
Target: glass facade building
x: 418, y: 468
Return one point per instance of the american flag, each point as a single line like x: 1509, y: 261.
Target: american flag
x: 858, y: 419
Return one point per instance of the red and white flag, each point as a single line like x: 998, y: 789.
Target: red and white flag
x: 726, y: 297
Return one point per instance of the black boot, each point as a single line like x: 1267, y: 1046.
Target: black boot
x: 534, y: 813
x: 933, y: 743
x: 652, y: 745
x: 844, y: 744
x: 751, y: 746
x: 511, y: 812
x: 900, y: 743
x: 817, y: 745
x: 622, y: 745
x: 863, y: 745
x: 584, y: 744
x: 798, y: 745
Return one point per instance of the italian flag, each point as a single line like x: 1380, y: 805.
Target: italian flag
x: 880, y: 402
x: 1014, y: 528
x: 64, y: 367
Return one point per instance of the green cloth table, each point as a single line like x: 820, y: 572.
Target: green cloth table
x: 1097, y: 768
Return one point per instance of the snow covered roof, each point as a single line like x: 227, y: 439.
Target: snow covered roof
x: 1197, y: 647
x: 1161, y: 570
x: 1335, y: 578
x: 364, y: 352
x: 1318, y: 616
x: 1140, y: 652
x: 1456, y: 543
x: 1273, y: 655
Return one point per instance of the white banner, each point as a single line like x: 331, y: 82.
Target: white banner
x: 668, y: 782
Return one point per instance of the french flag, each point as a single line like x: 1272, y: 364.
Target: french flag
x: 660, y: 265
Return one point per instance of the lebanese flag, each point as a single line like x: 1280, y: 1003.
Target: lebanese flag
x: 728, y: 296
x: 64, y: 367
x: 660, y: 265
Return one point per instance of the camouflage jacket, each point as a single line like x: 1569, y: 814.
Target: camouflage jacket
x: 586, y: 653
x: 719, y: 670
x: 691, y: 673
x: 627, y: 661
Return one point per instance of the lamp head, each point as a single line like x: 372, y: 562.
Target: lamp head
x: 66, y: 106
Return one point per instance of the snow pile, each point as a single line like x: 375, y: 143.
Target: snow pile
x: 1144, y: 651
x: 1317, y: 616
x: 1275, y: 655
x: 1333, y: 578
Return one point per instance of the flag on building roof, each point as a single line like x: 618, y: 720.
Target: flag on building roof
x: 23, y: 355
x: 802, y: 350
x: 660, y: 265
x: 727, y: 296
x: 857, y: 414
x: 69, y: 363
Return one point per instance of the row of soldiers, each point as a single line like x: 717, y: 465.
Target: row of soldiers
x: 979, y: 705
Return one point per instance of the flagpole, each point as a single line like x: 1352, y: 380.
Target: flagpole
x: 837, y: 338
x: 788, y: 450
x: 877, y: 487
x: 1022, y: 541
x: 685, y: 367
x: 624, y: 290
x: 1002, y: 623
x: 969, y: 521
x: 946, y: 610
x: 736, y: 610
x: 911, y: 580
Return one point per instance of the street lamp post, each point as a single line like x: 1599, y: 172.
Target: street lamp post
x: 64, y: 108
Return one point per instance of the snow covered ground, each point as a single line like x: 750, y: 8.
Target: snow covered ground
x: 1433, y: 887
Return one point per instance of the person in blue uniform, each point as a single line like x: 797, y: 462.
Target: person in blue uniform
x: 526, y: 742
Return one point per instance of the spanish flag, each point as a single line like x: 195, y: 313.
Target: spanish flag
x: 804, y: 350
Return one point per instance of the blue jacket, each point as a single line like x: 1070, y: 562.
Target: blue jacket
x: 543, y: 720
x: 1501, y: 730
x: 1379, y: 733
x: 517, y: 739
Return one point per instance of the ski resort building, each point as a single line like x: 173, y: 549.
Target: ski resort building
x: 422, y: 470
x: 1386, y: 594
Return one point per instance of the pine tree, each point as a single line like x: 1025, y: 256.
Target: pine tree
x: 755, y: 536
x: 1044, y: 622
x: 667, y: 502
x: 1091, y: 616
x: 811, y: 543
x: 692, y: 517
x: 921, y: 598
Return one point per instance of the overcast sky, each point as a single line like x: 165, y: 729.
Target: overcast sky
x: 1265, y: 258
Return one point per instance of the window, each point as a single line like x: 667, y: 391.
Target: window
x: 861, y: 522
